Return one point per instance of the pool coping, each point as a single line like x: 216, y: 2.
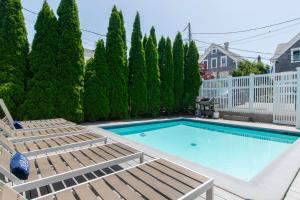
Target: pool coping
x: 271, y: 183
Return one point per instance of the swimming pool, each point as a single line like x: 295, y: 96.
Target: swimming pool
x: 237, y: 151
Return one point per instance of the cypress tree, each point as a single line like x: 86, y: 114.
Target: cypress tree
x: 161, y: 52
x: 14, y: 50
x: 70, y: 63
x: 167, y: 79
x: 145, y: 41
x: 96, y: 86
x: 153, y: 35
x: 178, y: 57
x: 185, y: 49
x: 192, y: 81
x: 41, y: 95
x: 126, y: 71
x: 118, y: 92
x: 137, y: 72
x: 153, y: 78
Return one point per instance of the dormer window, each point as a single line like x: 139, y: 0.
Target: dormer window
x: 295, y: 55
x: 214, y: 51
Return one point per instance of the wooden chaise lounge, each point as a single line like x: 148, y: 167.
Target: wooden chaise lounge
x: 33, y: 124
x: 53, y: 144
x: 155, y: 180
x: 22, y: 135
x: 47, y: 170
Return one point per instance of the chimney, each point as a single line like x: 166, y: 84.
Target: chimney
x: 259, y: 59
x: 226, y: 46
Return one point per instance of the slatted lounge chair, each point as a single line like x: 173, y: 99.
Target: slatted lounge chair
x: 155, y: 180
x: 54, y: 144
x: 7, y: 193
x: 69, y: 165
x: 16, y: 135
x: 33, y: 124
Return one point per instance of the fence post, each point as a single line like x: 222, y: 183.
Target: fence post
x: 298, y: 99
x: 251, y: 93
x: 201, y: 89
x: 229, y: 93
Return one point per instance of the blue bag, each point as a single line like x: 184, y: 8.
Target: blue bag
x: 18, y: 125
x: 19, y: 166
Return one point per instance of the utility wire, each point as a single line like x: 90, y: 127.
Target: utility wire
x: 248, y: 30
x: 253, y: 36
x: 82, y: 29
x: 185, y: 28
x: 30, y: 11
x: 92, y: 32
x: 266, y: 33
x: 251, y: 51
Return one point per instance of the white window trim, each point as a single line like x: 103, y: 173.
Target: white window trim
x: 206, y: 60
x: 211, y: 63
x: 214, y: 49
x: 292, y: 56
x: 225, y: 62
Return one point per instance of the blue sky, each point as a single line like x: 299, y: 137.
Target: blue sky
x: 171, y: 16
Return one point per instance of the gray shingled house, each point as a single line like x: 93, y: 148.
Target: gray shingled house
x: 220, y: 60
x: 287, y: 56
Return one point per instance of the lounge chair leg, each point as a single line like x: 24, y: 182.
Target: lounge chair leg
x: 210, y: 194
x: 142, y: 158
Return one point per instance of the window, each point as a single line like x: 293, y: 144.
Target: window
x: 214, y: 51
x: 224, y: 61
x: 214, y: 63
x: 295, y: 54
x: 205, y: 64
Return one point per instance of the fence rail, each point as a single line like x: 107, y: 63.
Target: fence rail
x: 274, y: 94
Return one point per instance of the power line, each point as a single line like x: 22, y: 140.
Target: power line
x: 185, y: 28
x: 248, y: 30
x: 92, y: 32
x: 262, y: 34
x: 253, y: 36
x: 82, y: 29
x: 251, y: 51
x: 30, y: 11
x: 254, y: 40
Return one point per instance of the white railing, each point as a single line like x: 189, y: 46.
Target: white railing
x: 273, y: 94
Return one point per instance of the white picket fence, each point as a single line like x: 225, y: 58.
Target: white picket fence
x: 273, y: 94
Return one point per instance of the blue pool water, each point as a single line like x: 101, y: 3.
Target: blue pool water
x: 239, y: 152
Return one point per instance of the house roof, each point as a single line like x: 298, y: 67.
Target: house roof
x: 283, y: 47
x: 230, y: 54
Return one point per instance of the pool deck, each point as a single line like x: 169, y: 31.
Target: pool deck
x: 274, y: 182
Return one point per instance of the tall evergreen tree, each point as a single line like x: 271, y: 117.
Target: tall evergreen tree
x: 167, y: 79
x: 126, y: 70
x: 192, y: 79
x: 178, y: 58
x: 161, y: 52
x: 153, y: 78
x: 115, y: 59
x: 14, y: 50
x: 153, y: 35
x: 41, y: 94
x: 96, y: 86
x: 185, y: 49
x: 137, y: 72
x: 70, y: 75
x: 145, y: 41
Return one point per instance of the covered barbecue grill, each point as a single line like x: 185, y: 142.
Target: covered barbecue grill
x: 206, y: 107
